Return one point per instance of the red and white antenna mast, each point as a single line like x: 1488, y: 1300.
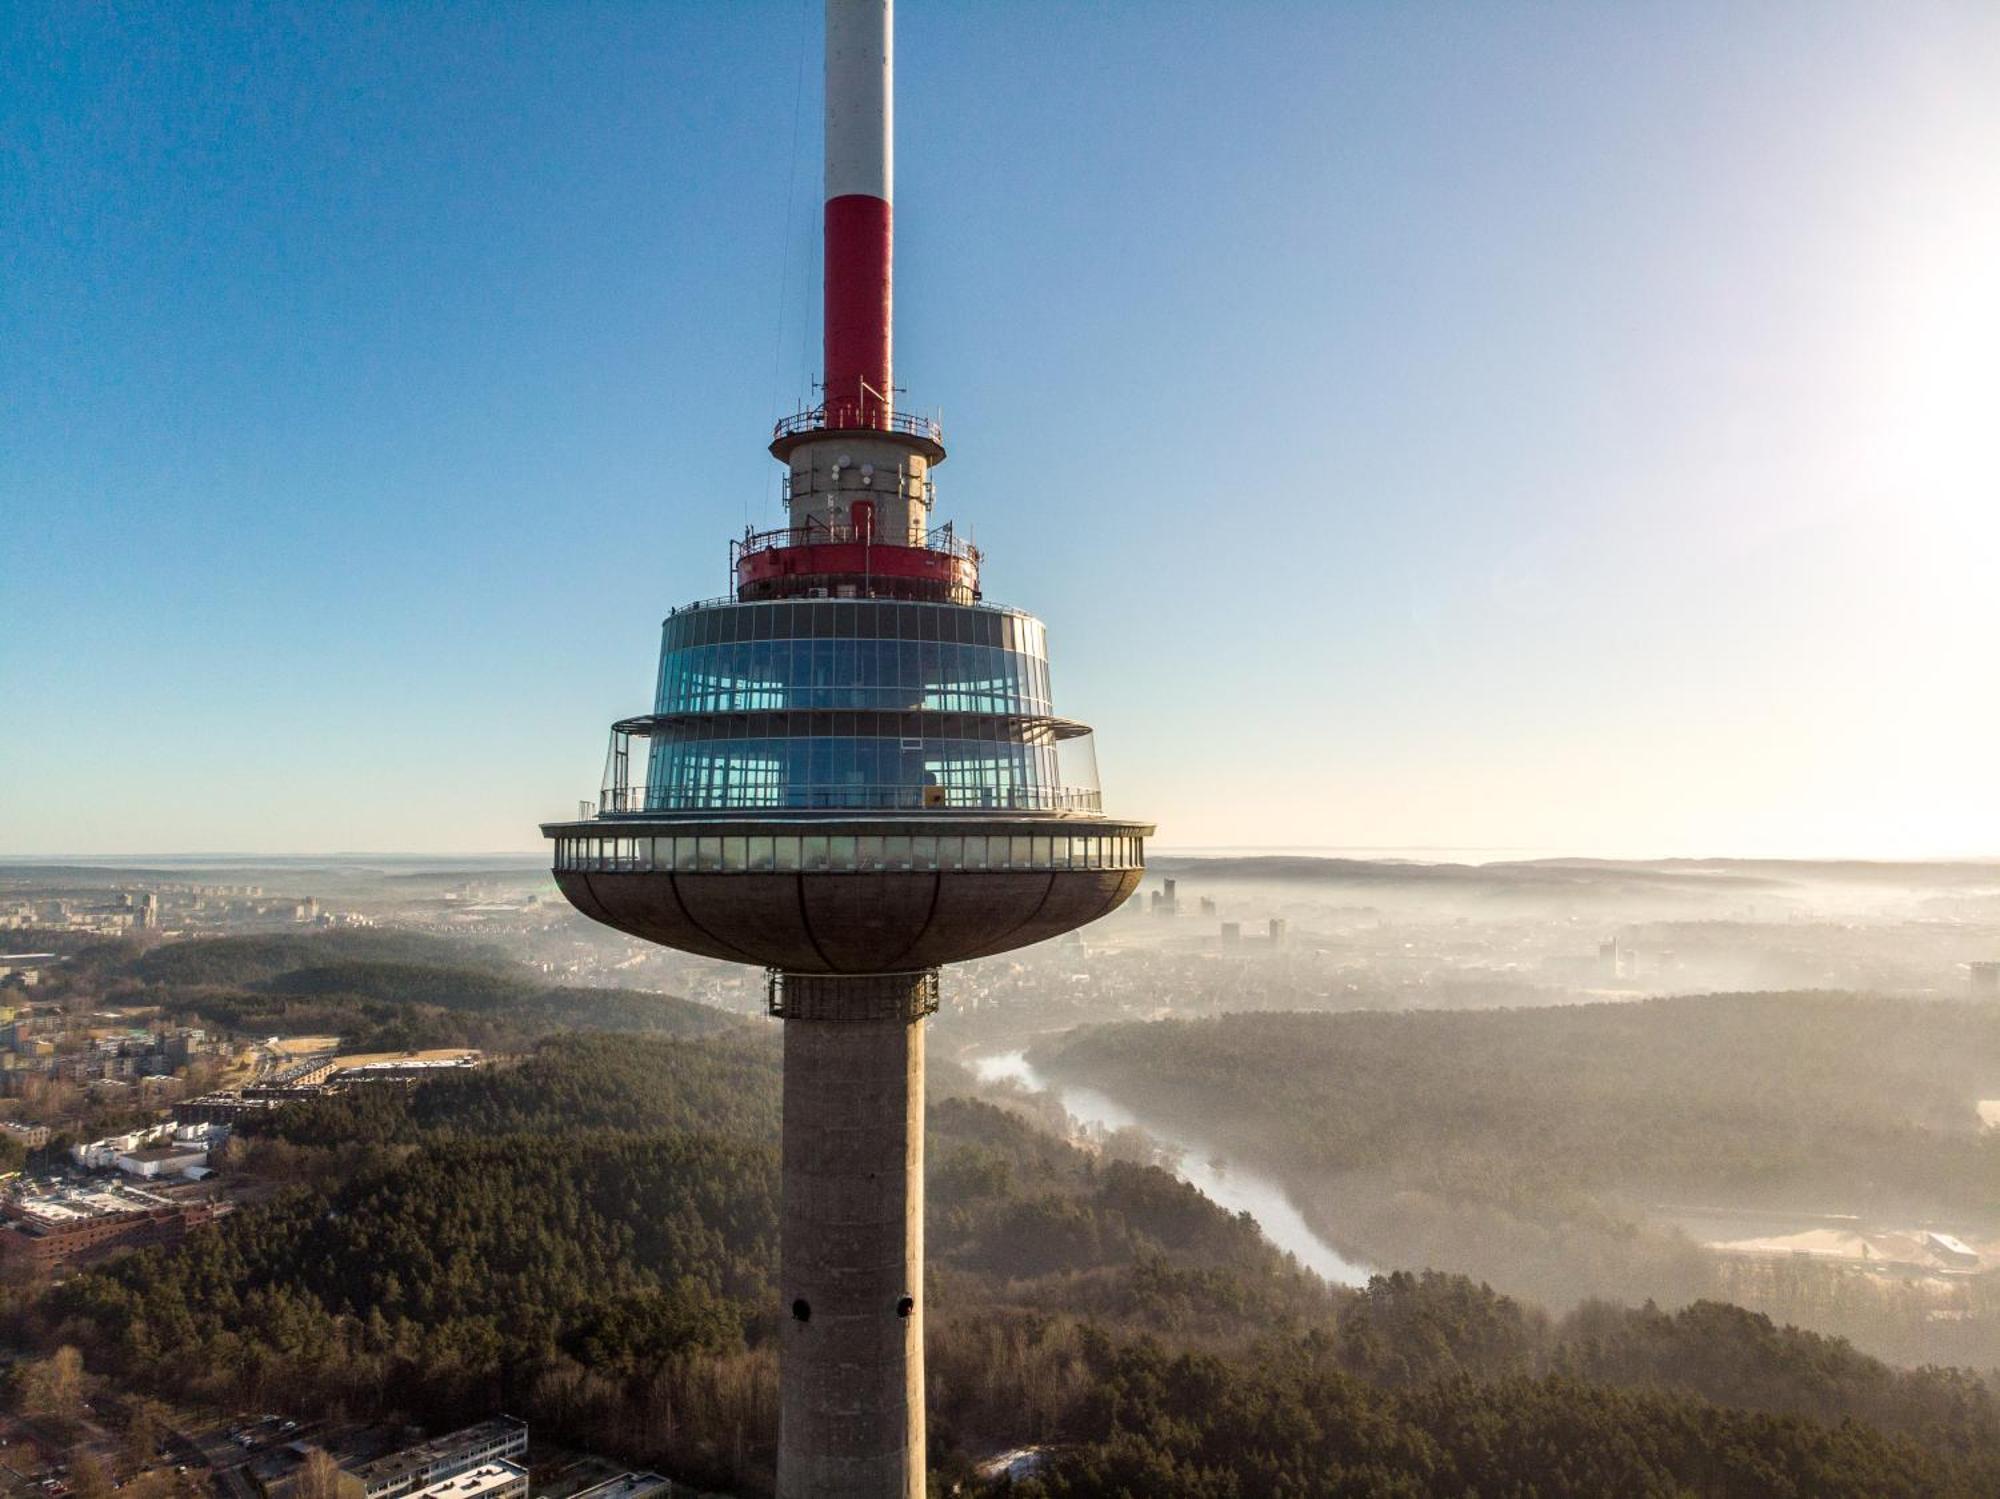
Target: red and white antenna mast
x: 860, y: 172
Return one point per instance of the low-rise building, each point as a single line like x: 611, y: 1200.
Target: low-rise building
x: 1951, y: 1251
x: 30, y: 1136
x: 417, y: 1468
x: 406, y: 1069
x: 47, y: 1227
x: 628, y: 1486
x: 162, y: 1160
x: 494, y: 1480
x: 223, y: 1108
x: 102, y: 1155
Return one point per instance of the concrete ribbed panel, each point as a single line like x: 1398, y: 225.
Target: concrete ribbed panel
x: 1073, y: 899
x: 644, y: 905
x: 976, y: 910
x: 577, y: 890
x: 866, y: 923
x: 849, y: 923
x: 762, y: 913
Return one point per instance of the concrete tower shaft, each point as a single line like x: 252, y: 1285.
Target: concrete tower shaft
x: 860, y: 129
x: 851, y: 1238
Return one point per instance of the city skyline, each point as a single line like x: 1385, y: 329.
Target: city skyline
x: 1569, y: 438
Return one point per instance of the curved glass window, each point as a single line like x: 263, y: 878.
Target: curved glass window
x: 711, y: 772
x: 852, y: 654
x: 852, y: 704
x: 790, y: 853
x: 875, y: 619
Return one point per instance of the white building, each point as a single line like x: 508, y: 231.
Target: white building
x: 102, y: 1155
x: 161, y: 1160
x: 201, y: 1136
x: 422, y: 1468
x: 1953, y: 1251
x: 495, y: 1480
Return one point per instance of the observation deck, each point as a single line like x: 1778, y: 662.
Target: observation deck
x: 848, y: 893
x: 851, y: 418
x: 848, y: 786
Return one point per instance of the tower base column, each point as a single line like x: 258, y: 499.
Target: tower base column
x: 851, y: 1236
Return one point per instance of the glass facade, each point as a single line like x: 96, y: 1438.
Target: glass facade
x: 786, y: 853
x: 883, y: 674
x: 855, y: 704
x: 852, y: 653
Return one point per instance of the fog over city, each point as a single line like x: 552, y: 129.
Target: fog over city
x: 1770, y: 1082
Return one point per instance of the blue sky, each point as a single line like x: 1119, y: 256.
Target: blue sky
x: 1556, y: 426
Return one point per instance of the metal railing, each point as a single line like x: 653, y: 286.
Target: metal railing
x: 817, y: 533
x: 630, y: 801
x: 813, y: 419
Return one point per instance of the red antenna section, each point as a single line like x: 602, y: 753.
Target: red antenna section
x: 860, y: 66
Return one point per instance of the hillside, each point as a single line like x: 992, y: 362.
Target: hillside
x: 1555, y: 1151
x: 1773, y: 1098
x: 588, y: 1238
x: 391, y: 990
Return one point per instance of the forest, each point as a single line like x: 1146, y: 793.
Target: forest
x: 587, y: 1237
x: 1762, y: 1099
x: 378, y: 989
x: 1554, y: 1150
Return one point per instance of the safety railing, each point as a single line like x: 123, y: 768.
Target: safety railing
x: 939, y: 539
x: 626, y: 801
x: 609, y: 848
x: 813, y: 419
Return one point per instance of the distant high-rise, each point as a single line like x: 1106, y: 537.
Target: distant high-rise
x: 853, y: 773
x: 1984, y: 978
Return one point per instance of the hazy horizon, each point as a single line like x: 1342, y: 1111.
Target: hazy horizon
x: 1379, y: 853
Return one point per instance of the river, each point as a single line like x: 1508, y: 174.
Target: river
x: 1229, y: 1184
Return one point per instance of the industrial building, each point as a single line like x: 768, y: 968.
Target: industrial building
x: 71, y: 1225
x: 628, y: 1486
x: 853, y: 773
x: 495, y: 1480
x: 406, y: 1069
x: 416, y: 1469
x: 163, y: 1160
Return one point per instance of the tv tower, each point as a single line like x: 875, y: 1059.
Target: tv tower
x: 853, y: 774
